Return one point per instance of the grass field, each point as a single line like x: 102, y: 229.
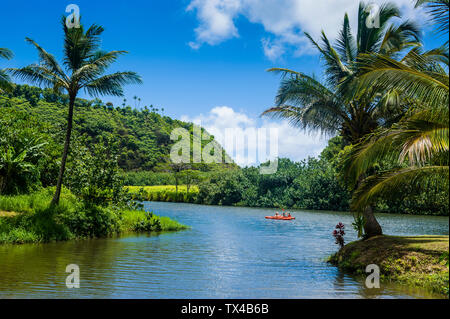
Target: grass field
x: 164, y: 193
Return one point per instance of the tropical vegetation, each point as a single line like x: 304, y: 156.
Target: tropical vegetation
x: 32, y: 139
x: 85, y: 66
x: 387, y: 99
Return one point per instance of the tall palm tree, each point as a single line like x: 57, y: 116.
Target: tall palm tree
x: 84, y: 65
x: 5, y: 81
x: 333, y: 107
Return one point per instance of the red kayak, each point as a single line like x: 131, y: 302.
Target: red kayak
x: 280, y: 217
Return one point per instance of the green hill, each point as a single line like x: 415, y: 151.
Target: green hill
x: 143, y: 135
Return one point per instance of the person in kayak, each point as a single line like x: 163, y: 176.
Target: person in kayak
x: 276, y: 214
x: 289, y: 215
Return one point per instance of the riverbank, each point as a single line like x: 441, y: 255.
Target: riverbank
x: 30, y: 219
x: 421, y: 261
x: 196, y: 195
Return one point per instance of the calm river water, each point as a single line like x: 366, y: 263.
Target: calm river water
x: 229, y: 253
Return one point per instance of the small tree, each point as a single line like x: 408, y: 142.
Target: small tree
x: 177, y: 169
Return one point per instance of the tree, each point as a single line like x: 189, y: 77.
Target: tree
x: 5, y: 81
x: 420, y: 141
x: 334, y: 107
x: 83, y: 68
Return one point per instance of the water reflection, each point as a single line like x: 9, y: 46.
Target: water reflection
x: 228, y: 253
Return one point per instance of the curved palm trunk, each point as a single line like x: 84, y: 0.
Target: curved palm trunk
x: 371, y: 226
x: 57, y: 195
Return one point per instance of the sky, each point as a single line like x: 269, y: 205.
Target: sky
x: 200, y: 60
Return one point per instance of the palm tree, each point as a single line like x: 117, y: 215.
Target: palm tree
x: 333, y: 107
x: 420, y: 141
x: 5, y: 81
x: 83, y: 68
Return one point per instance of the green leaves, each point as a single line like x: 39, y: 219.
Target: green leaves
x: 5, y: 81
x: 386, y: 185
x: 335, y: 107
x: 21, y: 153
x: 439, y: 11
x: 85, y: 65
x: 384, y: 74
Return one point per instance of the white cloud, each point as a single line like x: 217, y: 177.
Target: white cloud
x: 292, y: 143
x: 216, y: 20
x: 284, y: 20
x: 272, y: 49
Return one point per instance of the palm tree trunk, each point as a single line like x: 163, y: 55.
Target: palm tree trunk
x: 57, y: 195
x: 371, y: 226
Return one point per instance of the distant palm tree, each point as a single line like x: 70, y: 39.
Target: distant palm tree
x: 5, y: 81
x: 85, y: 66
x: 333, y: 107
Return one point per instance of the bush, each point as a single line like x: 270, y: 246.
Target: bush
x: 164, y: 193
x: 90, y: 220
x: 37, y: 221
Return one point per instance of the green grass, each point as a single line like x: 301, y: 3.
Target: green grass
x: 418, y: 261
x: 31, y: 219
x: 138, y: 220
x: 164, y: 193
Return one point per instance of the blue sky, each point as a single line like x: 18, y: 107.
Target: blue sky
x: 196, y: 56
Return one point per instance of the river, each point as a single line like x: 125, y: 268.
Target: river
x: 229, y: 252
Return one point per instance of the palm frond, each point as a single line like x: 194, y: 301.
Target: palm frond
x: 38, y: 75
x: 399, y: 37
x: 48, y: 61
x: 430, y: 88
x: 6, y: 54
x: 439, y: 10
x: 96, y: 66
x: 390, y: 183
x: 420, y: 137
x: 346, y: 44
x: 80, y: 46
x: 5, y: 82
x: 335, y: 69
x: 112, y: 84
x: 370, y: 39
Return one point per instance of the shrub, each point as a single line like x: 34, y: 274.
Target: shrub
x: 338, y: 234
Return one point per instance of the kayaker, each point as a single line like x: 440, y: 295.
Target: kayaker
x: 276, y: 214
x: 289, y: 215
